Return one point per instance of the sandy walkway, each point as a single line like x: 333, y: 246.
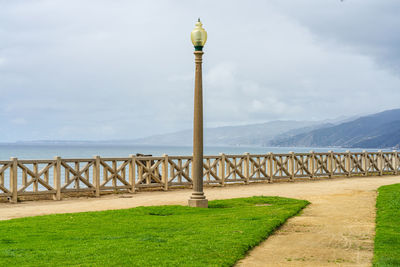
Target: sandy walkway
x: 336, y: 229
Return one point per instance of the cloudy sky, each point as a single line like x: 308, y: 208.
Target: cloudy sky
x: 98, y: 70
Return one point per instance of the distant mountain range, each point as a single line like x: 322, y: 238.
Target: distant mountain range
x: 245, y: 135
x: 380, y: 130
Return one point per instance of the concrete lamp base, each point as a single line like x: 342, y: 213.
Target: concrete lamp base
x: 198, y: 203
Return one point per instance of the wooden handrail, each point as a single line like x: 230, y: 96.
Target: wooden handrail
x: 61, y: 176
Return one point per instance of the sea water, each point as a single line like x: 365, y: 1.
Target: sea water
x: 49, y: 151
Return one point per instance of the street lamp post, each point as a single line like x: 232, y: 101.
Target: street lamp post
x: 198, y: 199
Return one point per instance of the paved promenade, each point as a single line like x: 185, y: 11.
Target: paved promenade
x: 336, y: 229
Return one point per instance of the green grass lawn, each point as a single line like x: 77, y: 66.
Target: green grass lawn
x: 387, y: 239
x: 146, y: 236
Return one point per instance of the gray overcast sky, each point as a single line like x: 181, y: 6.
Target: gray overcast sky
x: 97, y: 69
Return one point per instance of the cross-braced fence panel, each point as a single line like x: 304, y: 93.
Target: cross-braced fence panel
x: 76, y: 175
x: 302, y: 165
x: 357, y: 163
x: 281, y: 164
x: 5, y: 178
x: 372, y: 163
x: 259, y: 170
x: 321, y: 164
x: 213, y: 172
x: 339, y: 162
x: 180, y: 169
x: 149, y: 172
x: 388, y: 162
x: 37, y: 177
x: 235, y: 168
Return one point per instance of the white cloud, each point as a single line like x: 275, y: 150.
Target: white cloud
x: 127, y: 67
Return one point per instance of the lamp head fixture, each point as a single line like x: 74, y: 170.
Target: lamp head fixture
x: 199, y: 36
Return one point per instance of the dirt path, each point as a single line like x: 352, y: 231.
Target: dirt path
x: 336, y: 229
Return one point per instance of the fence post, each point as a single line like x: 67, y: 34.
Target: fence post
x: 291, y: 166
x: 222, y: 168
x: 311, y: 164
x: 247, y: 167
x: 96, y: 175
x: 132, y: 173
x: 366, y: 162
x: 348, y: 163
x: 395, y: 162
x: 270, y: 160
x: 14, y: 180
x: 57, y: 177
x: 380, y: 162
x: 165, y: 172
x: 330, y: 163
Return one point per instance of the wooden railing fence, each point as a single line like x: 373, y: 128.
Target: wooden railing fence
x: 59, y: 176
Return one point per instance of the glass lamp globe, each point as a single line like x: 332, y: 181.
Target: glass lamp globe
x: 199, y: 36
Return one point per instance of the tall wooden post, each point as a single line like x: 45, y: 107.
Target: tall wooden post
x: 380, y: 162
x: 57, y: 178
x: 222, y: 168
x: 311, y: 166
x: 366, y: 162
x: 198, y: 198
x: 96, y: 175
x: 165, y: 172
x: 330, y: 163
x: 292, y: 165
x: 348, y: 163
x: 14, y: 180
x: 132, y: 173
x: 270, y: 162
x: 247, y: 167
x: 395, y: 162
